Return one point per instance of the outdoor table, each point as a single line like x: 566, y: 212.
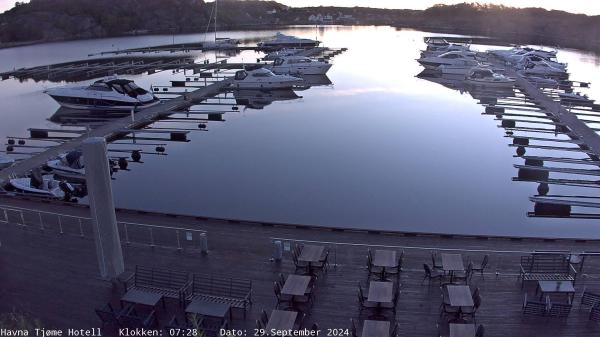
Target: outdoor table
x: 462, y: 330
x: 380, y: 292
x: 556, y: 287
x: 209, y: 309
x: 385, y: 259
x: 452, y: 263
x: 376, y: 329
x: 460, y: 296
x: 311, y: 254
x: 142, y: 297
x: 295, y: 285
x: 281, y: 320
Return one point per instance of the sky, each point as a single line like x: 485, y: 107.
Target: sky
x: 590, y: 7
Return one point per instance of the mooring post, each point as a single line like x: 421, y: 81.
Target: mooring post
x: 102, y: 209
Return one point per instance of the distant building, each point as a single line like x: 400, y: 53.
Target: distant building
x: 319, y: 18
x: 273, y: 11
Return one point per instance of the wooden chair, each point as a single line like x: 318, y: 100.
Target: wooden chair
x: 323, y: 264
x: 133, y: 320
x: 589, y: 299
x: 281, y: 280
x: 299, y: 321
x: 464, y: 276
x: 373, y: 270
x: 595, y: 313
x: 110, y: 316
x: 431, y: 275
x: 264, y: 318
x: 394, y: 331
x: 435, y: 261
x: 481, y: 267
x: 364, y: 304
x: 300, y: 266
x: 281, y: 298
x: 394, y: 304
x: 470, y: 312
x: 260, y: 325
x: 559, y: 310
x: 533, y: 307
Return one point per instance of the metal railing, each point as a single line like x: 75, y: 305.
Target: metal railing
x: 130, y: 233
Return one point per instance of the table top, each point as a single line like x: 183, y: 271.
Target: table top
x: 142, y: 297
x: 462, y: 330
x: 452, y: 262
x: 281, y: 320
x: 460, y: 296
x: 210, y: 309
x: 556, y: 286
x: 295, y: 285
x: 376, y: 329
x: 385, y: 258
x: 380, y: 292
x: 311, y: 253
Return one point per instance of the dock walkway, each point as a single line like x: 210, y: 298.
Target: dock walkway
x: 116, y: 128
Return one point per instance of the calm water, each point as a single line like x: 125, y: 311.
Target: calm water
x: 380, y: 148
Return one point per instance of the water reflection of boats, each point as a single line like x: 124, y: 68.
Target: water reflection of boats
x: 88, y: 118
x: 262, y: 78
x: 487, y: 77
x: 457, y: 82
x: 5, y: 162
x: 258, y: 99
x: 300, y: 65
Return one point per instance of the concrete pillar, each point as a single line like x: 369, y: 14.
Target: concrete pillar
x: 102, y: 208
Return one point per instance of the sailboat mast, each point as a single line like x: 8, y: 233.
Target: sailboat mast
x: 215, y: 20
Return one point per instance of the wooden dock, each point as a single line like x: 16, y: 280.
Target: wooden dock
x: 117, y: 128
x: 53, y: 277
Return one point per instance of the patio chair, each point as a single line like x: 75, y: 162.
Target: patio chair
x: 559, y: 310
x: 281, y: 280
x: 281, y: 298
x: 364, y: 304
x: 397, y: 268
x: 435, y: 261
x: 264, y: 318
x: 323, y: 263
x: 394, y: 331
x: 470, y: 312
x: 464, y: 276
x: 361, y: 291
x: 373, y: 270
x: 431, y: 275
x: 300, y: 265
x: 595, y: 313
x: 480, y: 331
x: 394, y: 304
x: 589, y: 299
x: 481, y: 267
x: 133, y: 320
x: 260, y: 325
x: 299, y: 321
x: 533, y: 307
x: 353, y: 329
x: 110, y: 316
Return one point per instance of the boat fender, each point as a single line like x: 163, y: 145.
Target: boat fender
x: 123, y: 163
x: 11, y: 141
x: 136, y: 155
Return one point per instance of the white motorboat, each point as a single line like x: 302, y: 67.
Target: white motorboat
x: 517, y: 52
x: 435, y: 51
x: 71, y: 162
x: 262, y: 78
x: 287, y: 41
x: 112, y: 94
x: 487, y: 77
x: 435, y: 42
x: 575, y: 98
x: 449, y: 58
x: 299, y: 65
x: 281, y: 53
x: 543, y: 69
x: 534, y: 59
x: 5, y: 162
x: 45, y: 186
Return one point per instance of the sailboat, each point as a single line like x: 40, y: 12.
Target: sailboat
x: 220, y: 43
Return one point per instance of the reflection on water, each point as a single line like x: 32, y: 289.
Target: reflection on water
x: 379, y: 148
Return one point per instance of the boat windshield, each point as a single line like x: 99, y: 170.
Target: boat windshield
x: 240, y: 75
x: 482, y: 74
x: 99, y: 87
x: 262, y: 74
x: 278, y: 62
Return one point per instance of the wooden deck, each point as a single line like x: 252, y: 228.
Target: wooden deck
x: 55, y: 277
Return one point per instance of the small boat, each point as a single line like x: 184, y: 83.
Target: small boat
x: 573, y: 98
x: 436, y: 42
x: 449, y: 58
x: 435, y: 51
x: 487, y: 77
x: 71, y: 162
x: 287, y: 41
x: 42, y: 185
x: 541, y: 82
x: 299, y: 65
x: 543, y: 69
x: 5, y: 162
x: 112, y: 94
x: 262, y: 78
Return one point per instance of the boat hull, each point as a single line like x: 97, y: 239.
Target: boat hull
x: 70, y: 103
